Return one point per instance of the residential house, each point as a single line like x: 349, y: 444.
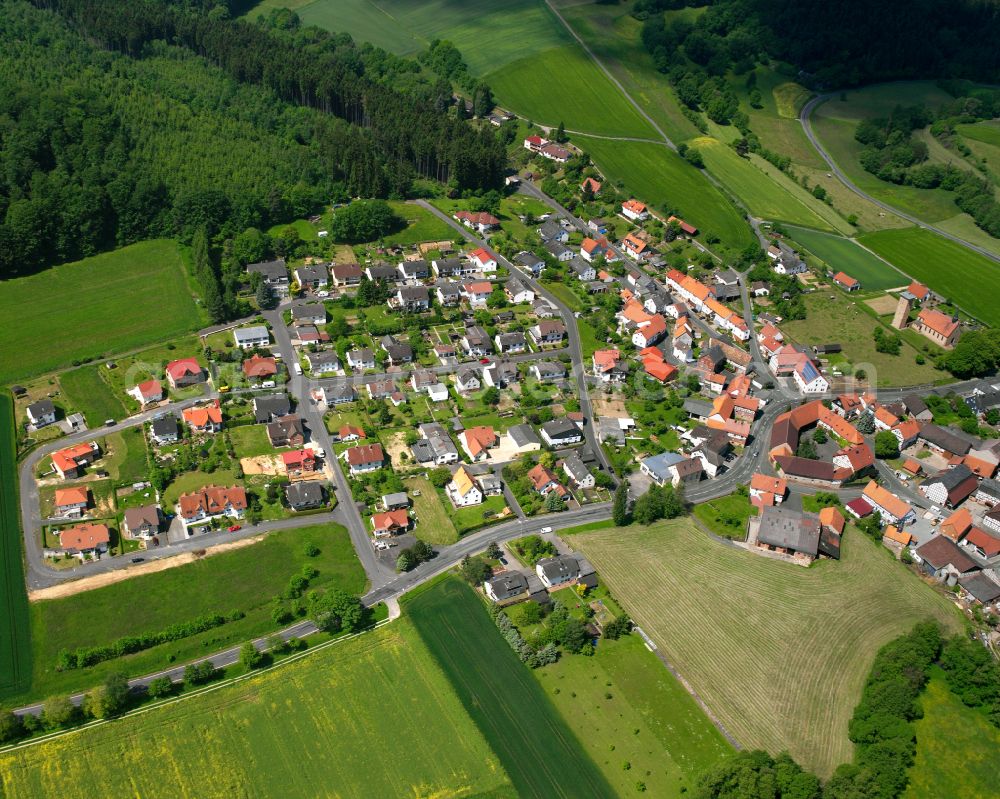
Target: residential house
x: 414, y: 271
x: 543, y: 481
x: 988, y: 493
x: 547, y: 332
x: 846, y: 282
x: 364, y: 458
x: 204, y: 418
x: 767, y: 490
x: 397, y: 351
x: 312, y: 276
x: 940, y: 328
x: 71, y: 502
x: 548, y: 371
x: 383, y: 272
x: 476, y: 341
x: 344, y: 275
x: 563, y: 569
x: 307, y: 334
x: 259, y: 368
x: 164, y: 430
x: 144, y: 393
x: 477, y: 441
x: 467, y: 380
x: 350, y: 432
x: 312, y: 314
x: 480, y: 221
x: 957, y: 525
x: 608, y: 366
x: 286, y: 431
x: 559, y: 251
x: 592, y: 249
x: 635, y: 211
x: 483, y: 260
x: 274, y: 274
x: 943, y: 441
x: 561, y: 433
x: 982, y: 543
x: 951, y: 487
x: 299, y: 462
x: 991, y: 521
x: 434, y: 446
x: 510, y: 343
x: 360, y: 359
x: 506, y: 586
x: 143, y: 522
x: 576, y: 470
x: 324, y: 362
x: 917, y: 408
x: 551, y: 231
x: 590, y: 185
x: 529, y: 261
x: 555, y: 153
x: 391, y: 522
x: 304, y: 495
x: 211, y: 501
x: 463, y: 490
x: 253, y: 336
x: 983, y: 587
x: 906, y: 432
x: 655, y: 365
x: 517, y: 292
x: 448, y: 294
x: 270, y: 407
x: 84, y: 541
x: 381, y: 389
x: 500, y: 374
x: 412, y: 299
x: 335, y: 395
x: 635, y: 247
x: 452, y: 267
x: 477, y: 292
x: 659, y: 467
x: 185, y: 372
x: 43, y: 412
x: 890, y: 507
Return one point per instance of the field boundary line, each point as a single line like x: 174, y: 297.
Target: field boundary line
x: 226, y: 683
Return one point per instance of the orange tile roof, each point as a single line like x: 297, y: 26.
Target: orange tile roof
x: 912, y: 466
x: 885, y: 499
x: 150, y: 388
x: 482, y: 255
x: 940, y: 323
x: 212, y: 500
x: 773, y: 485
x: 634, y: 243
x: 391, y: 519
x: 723, y: 406
x: 983, y: 540
x: 957, y: 525
x: 201, y: 416
x: 606, y: 360
x: 479, y: 439
x: 634, y: 206
x: 918, y: 290
x: 893, y: 533
x: 982, y: 468
x: 908, y: 429
x: 833, y: 518
x: 70, y: 496
x: 84, y: 536
x: 661, y: 370
x: 594, y: 185
x: 886, y: 416
x: 183, y: 367
x: 770, y: 331
x: 540, y: 476
x: 478, y: 287
x: 260, y: 366
x: 364, y: 454
x: 634, y: 312
x: 348, y: 430
x: 844, y: 279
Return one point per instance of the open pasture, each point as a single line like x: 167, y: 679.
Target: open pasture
x: 778, y: 652
x: 841, y: 254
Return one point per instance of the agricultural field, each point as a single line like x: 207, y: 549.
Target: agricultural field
x: 244, y: 578
x: 661, y: 178
x: 535, y: 745
x: 109, y: 303
x: 951, y: 270
x: 86, y: 391
x: 15, y: 643
x: 956, y: 748
x: 831, y: 317
x: 622, y: 689
x: 773, y: 196
x: 778, y: 652
x: 309, y: 725
x: 840, y: 254
x: 564, y: 84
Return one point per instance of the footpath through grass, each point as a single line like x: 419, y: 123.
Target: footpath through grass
x: 778, y: 652
x: 244, y: 579
x: 371, y: 717
x: 966, y: 278
x: 109, y: 303
x: 538, y: 749
x: 15, y: 638
x: 957, y: 748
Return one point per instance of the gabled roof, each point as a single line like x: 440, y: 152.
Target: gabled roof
x: 941, y: 550
x: 877, y: 495
x: 940, y: 323
x: 365, y: 454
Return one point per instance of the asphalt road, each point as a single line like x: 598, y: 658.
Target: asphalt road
x: 805, y: 116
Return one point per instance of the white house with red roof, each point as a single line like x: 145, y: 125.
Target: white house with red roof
x: 184, y: 372
x: 480, y: 221
x: 846, y: 282
x: 484, y: 260
x: 635, y: 211
x: 147, y: 392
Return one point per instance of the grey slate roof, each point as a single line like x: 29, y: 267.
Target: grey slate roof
x: 790, y: 529
x: 304, y: 494
x: 559, y: 569
x: 523, y: 434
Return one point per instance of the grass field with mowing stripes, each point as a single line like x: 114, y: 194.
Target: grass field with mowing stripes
x: 956, y: 748
x: 964, y: 277
x: 109, y: 303
x: 660, y: 177
x: 539, y: 751
x: 841, y: 254
x: 371, y: 717
x: 15, y: 637
x: 778, y: 652
x: 244, y: 579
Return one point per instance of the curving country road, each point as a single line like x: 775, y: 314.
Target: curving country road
x: 805, y: 119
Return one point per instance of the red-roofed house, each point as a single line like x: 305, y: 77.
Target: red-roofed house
x: 148, y: 392
x: 767, y: 490
x: 656, y: 366
x: 957, y: 525
x: 71, y: 502
x: 846, y: 282
x: 68, y: 462
x: 476, y: 441
x: 364, y: 458
x: 646, y: 335
x: 298, y: 462
x: 391, y: 522
x: 608, y: 366
x: 919, y: 291
x: 259, y: 367
x: 85, y: 540
x: 634, y: 210
x: 350, y: 432
x: 940, y: 328
x: 204, y: 418
x: 477, y: 220
x: 477, y: 292
x: 483, y: 260
x: 591, y: 185
x: 212, y: 501
x: 634, y: 247
x: 535, y: 143
x: 185, y: 372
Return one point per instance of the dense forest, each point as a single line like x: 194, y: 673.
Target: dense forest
x: 120, y: 122
x: 836, y: 44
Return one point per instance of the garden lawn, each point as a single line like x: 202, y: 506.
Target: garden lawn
x: 474, y: 517
x: 956, y: 748
x: 15, y: 641
x: 563, y: 84
x: 250, y: 440
x: 660, y: 178
x: 950, y: 269
x: 539, y: 750
x: 831, y: 317
x: 840, y: 254
x: 421, y: 225
x: 433, y: 524
x: 635, y: 712
x: 109, y: 303
x: 243, y: 579
x: 126, y: 458
x: 778, y: 652
x: 86, y: 391
x: 726, y: 516
x: 307, y: 728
